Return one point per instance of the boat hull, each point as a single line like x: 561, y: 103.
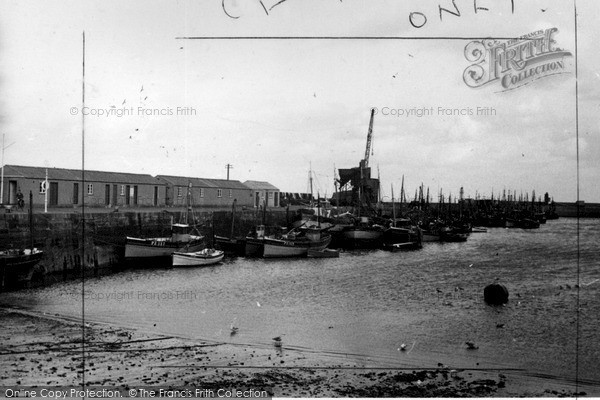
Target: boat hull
x: 17, y: 266
x: 274, y: 248
x: 254, y: 247
x: 197, y: 259
x: 360, y: 237
x: 137, y: 248
x: 430, y: 237
x: 231, y: 246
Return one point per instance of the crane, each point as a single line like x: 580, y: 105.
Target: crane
x: 365, y: 162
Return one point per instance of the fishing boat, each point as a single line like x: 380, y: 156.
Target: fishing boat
x: 296, y: 243
x: 160, y: 248
x: 362, y: 234
x: 432, y: 233
x: 16, y: 264
x: 254, y: 243
x: 181, y: 240
x: 234, y: 246
x: 231, y: 244
x: 402, y: 230
x: 197, y: 258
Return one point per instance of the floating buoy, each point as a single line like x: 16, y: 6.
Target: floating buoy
x: 495, y: 294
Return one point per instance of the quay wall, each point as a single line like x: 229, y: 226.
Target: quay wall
x: 102, y: 235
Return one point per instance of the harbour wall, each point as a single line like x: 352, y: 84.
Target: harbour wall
x: 94, y: 243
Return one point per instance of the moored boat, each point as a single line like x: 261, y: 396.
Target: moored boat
x: 362, y: 234
x: 430, y: 236
x: 402, y: 230
x: 160, y: 247
x: 17, y: 264
x: 197, y: 258
x: 254, y: 243
x: 296, y: 244
x: 231, y: 245
x: 234, y: 246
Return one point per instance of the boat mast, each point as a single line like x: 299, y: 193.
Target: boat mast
x: 393, y: 207
x: 402, y: 194
x: 31, y: 220
x: 335, y: 186
x: 232, y: 217
x: 318, y: 211
x: 310, y: 181
x: 379, y: 205
x: 187, y: 202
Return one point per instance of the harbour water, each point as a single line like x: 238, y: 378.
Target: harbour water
x: 366, y: 304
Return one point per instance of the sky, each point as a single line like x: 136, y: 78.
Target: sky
x: 165, y: 93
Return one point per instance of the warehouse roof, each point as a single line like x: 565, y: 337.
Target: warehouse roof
x: 63, y: 174
x: 260, y: 185
x: 202, y: 182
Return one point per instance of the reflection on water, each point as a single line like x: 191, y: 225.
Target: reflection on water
x: 368, y: 303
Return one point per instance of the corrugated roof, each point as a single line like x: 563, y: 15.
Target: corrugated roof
x: 202, y: 182
x: 260, y: 185
x: 19, y: 171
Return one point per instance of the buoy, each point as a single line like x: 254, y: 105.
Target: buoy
x: 495, y: 294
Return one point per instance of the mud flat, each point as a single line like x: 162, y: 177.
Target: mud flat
x: 46, y: 350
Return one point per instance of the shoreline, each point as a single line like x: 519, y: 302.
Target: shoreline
x: 46, y: 350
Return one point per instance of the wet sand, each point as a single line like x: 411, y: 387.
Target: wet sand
x: 45, y: 350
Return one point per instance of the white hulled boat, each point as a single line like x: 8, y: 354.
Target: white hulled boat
x: 197, y: 258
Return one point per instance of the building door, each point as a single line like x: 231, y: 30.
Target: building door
x: 53, y: 199
x: 135, y: 195
x: 127, y: 195
x: 257, y: 199
x: 155, y: 202
x: 12, y: 192
x: 168, y: 196
x: 107, y: 195
x: 75, y: 193
x: 114, y: 196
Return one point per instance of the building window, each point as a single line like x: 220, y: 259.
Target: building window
x: 122, y: 190
x: 219, y: 193
x: 230, y: 193
x: 42, y: 187
x: 90, y: 190
x: 179, y: 191
x: 270, y: 195
x: 201, y: 192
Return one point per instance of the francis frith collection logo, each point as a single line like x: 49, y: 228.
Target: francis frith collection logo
x: 516, y: 62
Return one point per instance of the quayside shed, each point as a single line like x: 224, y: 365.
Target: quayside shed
x: 205, y: 192
x: 63, y: 188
